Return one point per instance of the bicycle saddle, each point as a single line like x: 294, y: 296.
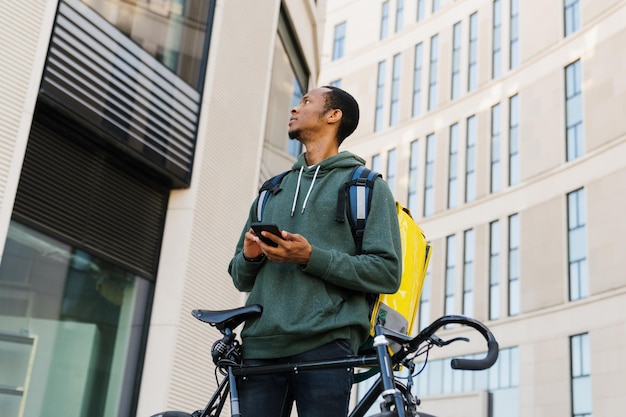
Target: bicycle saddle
x: 228, y: 319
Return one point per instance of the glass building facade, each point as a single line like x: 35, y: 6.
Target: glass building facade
x: 113, y: 132
x: 72, y: 328
x: 105, y: 219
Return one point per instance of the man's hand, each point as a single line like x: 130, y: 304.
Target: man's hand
x: 292, y: 248
x: 251, y: 248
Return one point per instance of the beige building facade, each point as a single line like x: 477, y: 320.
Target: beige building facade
x: 498, y: 123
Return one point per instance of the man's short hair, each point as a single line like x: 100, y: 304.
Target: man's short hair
x: 337, y: 98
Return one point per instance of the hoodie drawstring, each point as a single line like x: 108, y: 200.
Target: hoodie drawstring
x: 295, y: 196
x: 308, y: 194
x: 306, y: 198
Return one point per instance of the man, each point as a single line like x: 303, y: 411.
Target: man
x: 313, y: 284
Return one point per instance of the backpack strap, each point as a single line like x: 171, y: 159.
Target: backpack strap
x: 270, y: 186
x: 358, y: 193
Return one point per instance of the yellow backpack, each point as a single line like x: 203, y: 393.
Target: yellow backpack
x: 394, y: 311
x: 397, y: 311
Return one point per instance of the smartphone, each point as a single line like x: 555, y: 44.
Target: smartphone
x: 259, y: 227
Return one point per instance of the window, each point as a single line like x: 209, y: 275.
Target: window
x: 87, y: 316
x: 413, y: 176
x: 294, y: 147
x: 384, y: 21
x: 432, y: 80
x: 501, y: 381
x: 417, y: 80
x: 514, y: 266
x: 424, y: 307
x: 514, y: 57
x: 450, y: 274
x: 429, y: 176
x: 470, y: 160
x: 581, y: 375
x: 339, y: 40
x: 376, y: 163
x: 574, y: 110
x: 494, y: 270
x: 456, y: 61
x: 183, y: 48
x: 577, y: 245
x: 399, y: 15
x: 436, y: 5
x: 394, y: 115
x: 391, y: 169
x: 289, y: 80
x: 496, y: 45
x: 472, y: 51
x: 380, y: 92
x: 468, y: 273
x: 421, y: 9
x: 453, y: 166
x: 495, y: 149
x: 572, y: 16
x: 514, y: 157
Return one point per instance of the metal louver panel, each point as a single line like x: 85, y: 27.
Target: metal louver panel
x: 85, y: 197
x: 99, y: 73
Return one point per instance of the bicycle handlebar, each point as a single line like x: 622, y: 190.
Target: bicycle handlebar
x: 478, y: 364
x: 457, y: 363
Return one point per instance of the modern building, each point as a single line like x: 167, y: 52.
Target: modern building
x: 499, y: 123
x: 133, y: 137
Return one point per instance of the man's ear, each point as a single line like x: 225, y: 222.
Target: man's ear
x: 335, y: 116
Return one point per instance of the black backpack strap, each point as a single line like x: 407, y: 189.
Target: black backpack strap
x: 271, y: 186
x: 358, y: 194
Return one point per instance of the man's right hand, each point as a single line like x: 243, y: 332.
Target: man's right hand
x: 251, y: 248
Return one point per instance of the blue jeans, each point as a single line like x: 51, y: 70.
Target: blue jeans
x: 324, y: 392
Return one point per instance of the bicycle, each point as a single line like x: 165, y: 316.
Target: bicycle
x: 397, y: 398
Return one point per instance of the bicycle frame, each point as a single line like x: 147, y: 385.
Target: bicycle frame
x: 397, y: 399
x: 361, y: 408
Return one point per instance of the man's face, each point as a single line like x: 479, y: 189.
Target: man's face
x: 308, y: 116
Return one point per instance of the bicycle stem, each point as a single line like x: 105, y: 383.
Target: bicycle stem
x: 391, y: 395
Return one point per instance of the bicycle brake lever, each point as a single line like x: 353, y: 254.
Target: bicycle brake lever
x: 456, y: 339
x: 440, y: 342
x: 436, y: 340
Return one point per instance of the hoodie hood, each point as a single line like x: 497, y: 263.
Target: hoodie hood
x: 341, y: 160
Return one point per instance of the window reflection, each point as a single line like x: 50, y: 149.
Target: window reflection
x: 68, y: 321
x: 289, y: 81
x: 294, y: 147
x: 175, y: 32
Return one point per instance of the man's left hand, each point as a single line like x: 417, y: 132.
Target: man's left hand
x: 292, y: 248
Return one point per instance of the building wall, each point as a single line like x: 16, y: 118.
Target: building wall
x: 547, y: 318
x: 24, y: 35
x: 204, y: 222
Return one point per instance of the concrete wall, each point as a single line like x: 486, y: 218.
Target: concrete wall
x: 204, y: 222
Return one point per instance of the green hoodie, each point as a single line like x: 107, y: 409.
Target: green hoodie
x: 306, y: 306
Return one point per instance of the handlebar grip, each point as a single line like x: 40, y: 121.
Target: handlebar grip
x: 478, y: 364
